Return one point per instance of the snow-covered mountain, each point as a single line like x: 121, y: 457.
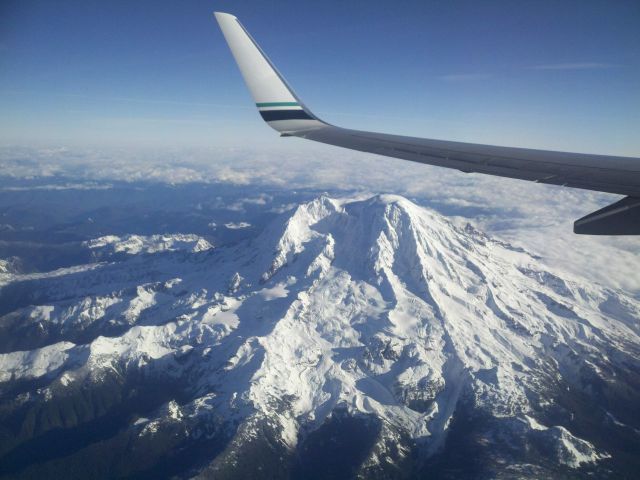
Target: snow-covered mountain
x: 135, y: 244
x: 366, y: 338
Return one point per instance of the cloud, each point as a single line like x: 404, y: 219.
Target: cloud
x: 465, y: 77
x: 59, y: 186
x: 241, y: 204
x: 573, y: 66
x: 237, y: 226
x: 534, y: 216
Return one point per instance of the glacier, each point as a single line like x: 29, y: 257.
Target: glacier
x: 372, y: 326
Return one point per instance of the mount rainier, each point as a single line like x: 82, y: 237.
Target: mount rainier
x: 352, y: 338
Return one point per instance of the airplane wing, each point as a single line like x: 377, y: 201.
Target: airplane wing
x: 281, y: 108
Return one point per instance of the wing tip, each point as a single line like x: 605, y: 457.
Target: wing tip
x: 222, y: 15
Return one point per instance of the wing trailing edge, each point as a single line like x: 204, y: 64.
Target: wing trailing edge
x: 620, y: 218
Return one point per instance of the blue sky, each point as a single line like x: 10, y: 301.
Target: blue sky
x: 546, y: 74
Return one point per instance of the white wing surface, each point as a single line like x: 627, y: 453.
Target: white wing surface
x: 280, y: 107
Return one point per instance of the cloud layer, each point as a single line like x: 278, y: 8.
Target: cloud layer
x: 538, y: 217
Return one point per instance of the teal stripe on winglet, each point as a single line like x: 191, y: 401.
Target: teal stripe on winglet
x: 277, y: 104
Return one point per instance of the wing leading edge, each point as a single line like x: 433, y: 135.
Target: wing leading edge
x: 282, y: 109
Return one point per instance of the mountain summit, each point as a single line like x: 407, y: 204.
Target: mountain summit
x: 352, y: 338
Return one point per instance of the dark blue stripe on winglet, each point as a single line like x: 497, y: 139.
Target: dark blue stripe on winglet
x: 271, y: 115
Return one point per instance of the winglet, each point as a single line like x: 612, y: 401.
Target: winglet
x: 277, y: 103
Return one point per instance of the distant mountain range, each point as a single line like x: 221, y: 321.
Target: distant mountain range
x: 352, y: 338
